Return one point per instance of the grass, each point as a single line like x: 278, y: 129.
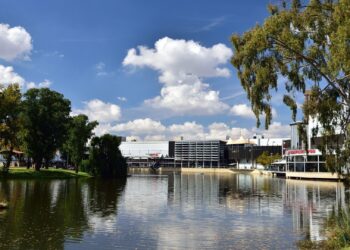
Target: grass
x: 51, y: 173
x: 337, y: 228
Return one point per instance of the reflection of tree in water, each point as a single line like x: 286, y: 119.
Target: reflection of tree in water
x: 44, y: 214
x: 104, y: 195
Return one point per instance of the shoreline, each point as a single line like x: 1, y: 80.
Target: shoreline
x: 185, y: 170
x: 51, y: 173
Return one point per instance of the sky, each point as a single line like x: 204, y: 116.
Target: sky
x: 147, y: 70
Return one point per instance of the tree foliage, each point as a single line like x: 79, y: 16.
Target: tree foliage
x: 266, y: 159
x: 79, y: 132
x: 45, y: 123
x: 105, y: 158
x: 10, y: 125
x: 308, y: 47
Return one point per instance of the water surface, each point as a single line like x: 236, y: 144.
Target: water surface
x: 169, y: 211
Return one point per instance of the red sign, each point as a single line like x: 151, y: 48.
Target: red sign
x: 154, y: 155
x: 300, y: 151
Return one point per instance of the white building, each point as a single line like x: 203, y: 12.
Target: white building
x: 145, y: 149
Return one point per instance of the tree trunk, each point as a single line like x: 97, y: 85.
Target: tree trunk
x: 8, y: 162
x: 38, y: 164
x: 28, y: 163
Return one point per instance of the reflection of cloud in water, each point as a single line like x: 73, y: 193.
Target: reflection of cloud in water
x: 55, y: 188
x: 103, y: 224
x: 194, y: 211
x: 145, y: 196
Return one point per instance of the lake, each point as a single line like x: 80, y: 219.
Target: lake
x: 167, y: 211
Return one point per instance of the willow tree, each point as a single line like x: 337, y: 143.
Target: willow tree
x: 306, y: 46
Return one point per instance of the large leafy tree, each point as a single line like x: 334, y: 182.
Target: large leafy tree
x: 45, y: 123
x: 308, y: 47
x: 10, y: 125
x: 79, y: 132
x: 105, y: 158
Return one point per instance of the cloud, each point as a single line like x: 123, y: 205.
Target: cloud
x: 122, y: 98
x: 212, y: 24
x: 181, y: 66
x: 9, y: 76
x: 101, y: 69
x: 148, y: 129
x: 242, y: 110
x: 276, y: 130
x: 187, y: 130
x: 100, y: 111
x: 45, y: 84
x: 144, y: 127
x: 15, y: 43
x: 192, y: 99
x: 54, y: 54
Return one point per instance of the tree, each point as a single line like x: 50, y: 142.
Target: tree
x: 105, y: 158
x: 45, y: 121
x: 266, y: 159
x: 79, y: 132
x: 307, y: 47
x: 10, y: 125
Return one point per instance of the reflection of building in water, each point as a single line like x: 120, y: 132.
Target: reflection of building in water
x: 306, y: 203
x: 311, y: 202
x: 194, y: 189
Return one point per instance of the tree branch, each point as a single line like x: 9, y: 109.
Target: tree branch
x: 313, y: 63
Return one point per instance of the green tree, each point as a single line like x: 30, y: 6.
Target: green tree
x: 10, y: 125
x: 45, y: 121
x: 308, y: 47
x: 105, y: 158
x: 266, y: 159
x: 79, y: 132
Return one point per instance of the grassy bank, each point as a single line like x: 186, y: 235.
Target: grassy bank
x: 23, y: 173
x: 337, y: 229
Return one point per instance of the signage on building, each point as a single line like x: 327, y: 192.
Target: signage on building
x: 154, y: 155
x: 302, y: 152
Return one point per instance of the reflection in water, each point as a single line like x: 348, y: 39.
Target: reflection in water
x: 228, y: 211
x: 49, y: 214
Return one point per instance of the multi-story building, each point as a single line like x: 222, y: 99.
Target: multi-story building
x: 201, y: 153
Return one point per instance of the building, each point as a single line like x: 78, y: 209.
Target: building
x: 201, y: 153
x: 306, y: 160
x: 146, y: 153
x: 146, y: 149
x: 242, y: 153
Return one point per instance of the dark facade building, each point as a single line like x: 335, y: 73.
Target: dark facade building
x: 245, y: 155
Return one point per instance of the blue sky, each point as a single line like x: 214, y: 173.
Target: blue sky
x: 81, y: 49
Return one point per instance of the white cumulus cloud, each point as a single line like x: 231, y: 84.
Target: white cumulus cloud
x: 15, y: 43
x: 242, y: 110
x: 145, y: 126
x: 44, y: 84
x: 182, y: 65
x: 100, y: 111
x: 187, y: 130
x: 148, y: 129
x: 9, y: 76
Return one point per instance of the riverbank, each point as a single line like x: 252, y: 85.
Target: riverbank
x: 51, y: 173
x: 183, y: 170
